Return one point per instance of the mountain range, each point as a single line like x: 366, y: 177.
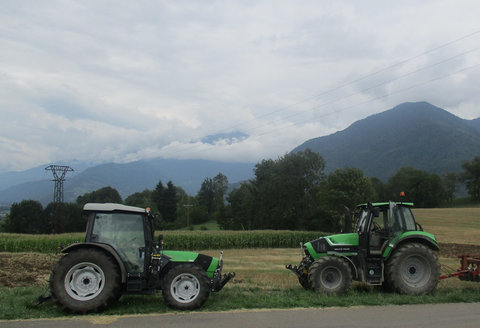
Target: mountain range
x: 127, y: 178
x: 411, y: 134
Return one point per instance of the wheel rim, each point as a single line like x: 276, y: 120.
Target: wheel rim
x: 84, y: 281
x: 185, y: 288
x: 415, y: 271
x: 331, y: 277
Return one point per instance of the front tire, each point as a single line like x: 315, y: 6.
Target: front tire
x: 413, y: 269
x: 85, y: 280
x: 185, y: 287
x: 330, y: 275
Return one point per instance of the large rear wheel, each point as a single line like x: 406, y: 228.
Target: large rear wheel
x: 413, y: 269
x: 185, y: 287
x: 85, y: 280
x: 330, y: 275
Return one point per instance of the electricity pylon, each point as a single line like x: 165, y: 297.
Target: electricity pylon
x: 59, y: 173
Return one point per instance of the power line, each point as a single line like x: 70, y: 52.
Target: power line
x: 193, y: 146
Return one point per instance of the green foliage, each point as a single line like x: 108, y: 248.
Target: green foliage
x: 17, y: 303
x: 420, y: 187
x: 27, y: 217
x: 344, y: 187
x: 10, y: 242
x: 165, y: 199
x: 177, y: 240
x: 282, y: 195
x: 212, y: 195
x: 471, y: 177
x: 71, y: 216
x: 141, y: 199
x: 103, y: 195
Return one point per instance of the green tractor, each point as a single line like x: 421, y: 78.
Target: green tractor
x: 388, y: 248
x: 119, y: 256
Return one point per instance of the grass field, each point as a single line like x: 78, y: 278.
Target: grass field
x: 451, y: 225
x: 262, y: 280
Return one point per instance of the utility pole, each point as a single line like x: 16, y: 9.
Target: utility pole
x: 187, y: 206
x: 59, y: 173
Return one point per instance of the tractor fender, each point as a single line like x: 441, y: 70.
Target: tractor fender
x: 349, y: 261
x: 416, y: 238
x: 107, y: 248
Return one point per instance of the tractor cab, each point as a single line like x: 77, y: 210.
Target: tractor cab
x: 378, y: 223
x: 129, y: 230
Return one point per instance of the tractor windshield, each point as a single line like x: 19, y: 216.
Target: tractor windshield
x: 362, y: 220
x: 401, y: 219
x: 125, y: 233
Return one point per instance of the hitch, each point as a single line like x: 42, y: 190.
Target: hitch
x: 294, y: 270
x: 219, y: 280
x: 469, y: 269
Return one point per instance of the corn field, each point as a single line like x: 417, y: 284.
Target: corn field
x: 174, y: 240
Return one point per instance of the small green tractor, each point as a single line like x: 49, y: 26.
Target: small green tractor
x: 119, y: 256
x: 388, y: 248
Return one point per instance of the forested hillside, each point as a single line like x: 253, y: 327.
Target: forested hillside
x: 411, y: 134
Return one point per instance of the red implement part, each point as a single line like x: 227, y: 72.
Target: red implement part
x: 469, y: 269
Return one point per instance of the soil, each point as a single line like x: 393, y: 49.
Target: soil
x: 33, y: 269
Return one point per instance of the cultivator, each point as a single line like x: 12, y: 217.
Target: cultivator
x: 469, y: 269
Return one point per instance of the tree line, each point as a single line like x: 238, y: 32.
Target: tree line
x: 292, y: 192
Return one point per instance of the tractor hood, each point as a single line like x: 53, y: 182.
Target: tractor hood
x: 207, y: 263
x: 346, y: 244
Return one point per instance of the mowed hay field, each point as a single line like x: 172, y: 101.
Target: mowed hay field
x: 261, y: 282
x: 457, y: 231
x: 451, y: 225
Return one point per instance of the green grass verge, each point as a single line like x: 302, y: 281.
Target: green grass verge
x: 18, y: 303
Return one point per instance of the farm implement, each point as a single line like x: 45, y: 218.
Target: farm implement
x: 469, y: 269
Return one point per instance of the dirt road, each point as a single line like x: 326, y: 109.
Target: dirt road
x: 437, y: 315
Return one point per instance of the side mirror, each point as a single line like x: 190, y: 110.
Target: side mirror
x: 160, y: 241
x: 348, y: 220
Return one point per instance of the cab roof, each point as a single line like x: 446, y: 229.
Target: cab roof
x: 111, y: 207
x: 385, y: 204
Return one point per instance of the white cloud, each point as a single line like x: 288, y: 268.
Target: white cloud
x: 118, y: 81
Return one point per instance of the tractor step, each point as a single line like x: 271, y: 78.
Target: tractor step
x: 374, y: 271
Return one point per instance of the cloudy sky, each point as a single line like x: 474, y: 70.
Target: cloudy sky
x: 101, y: 81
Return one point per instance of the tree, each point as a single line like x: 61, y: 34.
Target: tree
x: 449, y: 181
x: 141, y: 199
x: 102, y: 195
x: 282, y: 195
x: 471, y: 177
x: 165, y: 200
x: 211, y: 196
x: 72, y: 217
x: 343, y: 187
x: 27, y: 217
x: 420, y: 187
x: 169, y: 212
x: 242, y: 209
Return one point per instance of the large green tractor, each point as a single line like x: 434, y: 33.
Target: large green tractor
x: 119, y: 256
x: 387, y: 248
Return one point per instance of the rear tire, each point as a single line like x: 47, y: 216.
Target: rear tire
x: 330, y: 275
x: 413, y: 269
x: 85, y: 280
x: 185, y: 287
